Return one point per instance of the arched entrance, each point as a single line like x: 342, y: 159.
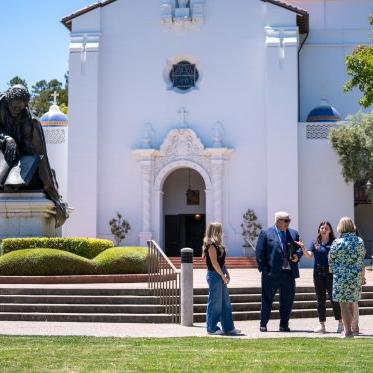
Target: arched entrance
x: 181, y: 149
x: 184, y: 211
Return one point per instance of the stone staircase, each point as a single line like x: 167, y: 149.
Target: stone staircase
x: 246, y: 303
x: 231, y: 262
x: 78, y: 304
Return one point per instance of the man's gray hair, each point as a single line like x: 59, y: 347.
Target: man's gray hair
x: 281, y: 215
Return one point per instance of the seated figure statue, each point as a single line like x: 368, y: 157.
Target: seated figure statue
x: 24, y: 164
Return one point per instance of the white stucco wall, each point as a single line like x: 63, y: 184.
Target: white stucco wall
x: 336, y: 28
x: 251, y: 87
x: 323, y: 193
x: 134, y: 49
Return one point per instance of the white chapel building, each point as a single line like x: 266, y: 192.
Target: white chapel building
x: 184, y: 112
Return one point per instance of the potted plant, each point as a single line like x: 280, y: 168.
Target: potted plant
x: 250, y: 231
x: 119, y: 228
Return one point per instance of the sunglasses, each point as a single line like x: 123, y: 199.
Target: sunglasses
x: 287, y: 221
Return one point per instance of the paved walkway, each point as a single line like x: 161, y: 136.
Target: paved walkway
x: 299, y: 327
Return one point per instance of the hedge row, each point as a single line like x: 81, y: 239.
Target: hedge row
x: 85, y: 247
x: 53, y: 262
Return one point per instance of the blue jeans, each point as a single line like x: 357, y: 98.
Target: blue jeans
x: 219, y: 305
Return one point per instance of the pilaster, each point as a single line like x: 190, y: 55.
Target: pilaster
x: 144, y: 158
x: 83, y: 140
x: 281, y: 95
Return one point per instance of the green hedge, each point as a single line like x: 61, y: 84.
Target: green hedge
x: 44, y: 262
x: 85, y: 247
x: 122, y: 260
x: 53, y: 262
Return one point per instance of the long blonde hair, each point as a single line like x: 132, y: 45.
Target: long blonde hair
x: 213, y: 236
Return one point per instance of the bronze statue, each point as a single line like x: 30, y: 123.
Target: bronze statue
x: 24, y: 164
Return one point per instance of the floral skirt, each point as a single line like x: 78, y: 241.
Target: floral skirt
x: 346, y: 285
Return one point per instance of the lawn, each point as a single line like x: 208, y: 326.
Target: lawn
x: 90, y: 354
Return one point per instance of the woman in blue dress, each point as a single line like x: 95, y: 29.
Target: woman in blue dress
x: 346, y: 262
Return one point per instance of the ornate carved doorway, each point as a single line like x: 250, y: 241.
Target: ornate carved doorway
x: 181, y: 149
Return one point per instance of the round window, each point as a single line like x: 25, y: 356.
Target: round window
x: 184, y: 75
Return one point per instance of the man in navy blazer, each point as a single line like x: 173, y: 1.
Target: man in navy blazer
x: 277, y: 256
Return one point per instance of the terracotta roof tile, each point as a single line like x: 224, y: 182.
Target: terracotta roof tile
x: 99, y: 4
x: 302, y: 15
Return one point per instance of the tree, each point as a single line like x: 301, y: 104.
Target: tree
x: 360, y: 66
x: 354, y: 145
x: 119, y: 228
x: 17, y: 80
x: 250, y: 230
x: 42, y: 92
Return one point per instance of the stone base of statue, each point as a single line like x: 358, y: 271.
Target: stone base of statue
x: 27, y: 215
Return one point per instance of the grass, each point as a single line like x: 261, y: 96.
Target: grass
x: 90, y: 354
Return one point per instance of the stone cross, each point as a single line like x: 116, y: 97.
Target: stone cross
x: 54, y: 95
x: 183, y: 113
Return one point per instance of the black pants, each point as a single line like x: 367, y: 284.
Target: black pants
x: 285, y: 283
x: 323, y: 281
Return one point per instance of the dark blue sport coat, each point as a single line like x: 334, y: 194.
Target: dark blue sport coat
x: 269, y: 255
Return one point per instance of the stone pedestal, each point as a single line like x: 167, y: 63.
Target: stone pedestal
x: 27, y: 215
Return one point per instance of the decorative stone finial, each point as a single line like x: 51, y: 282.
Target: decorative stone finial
x: 218, y: 132
x: 148, y: 133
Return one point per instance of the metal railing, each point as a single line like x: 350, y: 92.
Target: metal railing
x: 164, y: 278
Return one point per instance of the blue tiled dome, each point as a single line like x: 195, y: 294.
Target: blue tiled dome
x: 324, y: 113
x: 54, y: 117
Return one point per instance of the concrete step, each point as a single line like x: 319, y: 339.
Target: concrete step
x: 75, y: 291
x: 245, y: 298
x: 80, y: 299
x: 83, y: 308
x: 258, y: 290
x: 252, y: 290
x: 141, y: 305
x: 297, y: 305
x: 86, y: 317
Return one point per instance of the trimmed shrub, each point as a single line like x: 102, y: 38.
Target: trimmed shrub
x: 85, y: 247
x: 121, y: 260
x: 44, y: 262
x: 53, y: 262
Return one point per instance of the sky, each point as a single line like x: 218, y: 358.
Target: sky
x: 34, y: 43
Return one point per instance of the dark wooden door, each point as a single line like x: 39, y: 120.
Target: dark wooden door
x: 195, y: 226
x: 172, y: 235
x: 184, y: 231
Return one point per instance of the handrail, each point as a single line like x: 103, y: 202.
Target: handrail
x: 164, y: 278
